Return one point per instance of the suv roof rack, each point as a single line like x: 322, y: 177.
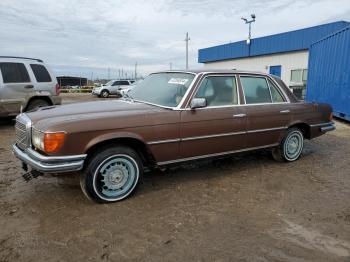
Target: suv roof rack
x: 19, y: 57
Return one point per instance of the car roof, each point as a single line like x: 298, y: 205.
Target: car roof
x: 18, y: 58
x: 211, y: 71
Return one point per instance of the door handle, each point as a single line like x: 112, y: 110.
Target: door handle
x: 239, y: 115
x: 285, y: 111
x: 29, y: 86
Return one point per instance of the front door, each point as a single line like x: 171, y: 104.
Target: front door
x: 217, y: 128
x: 268, y: 111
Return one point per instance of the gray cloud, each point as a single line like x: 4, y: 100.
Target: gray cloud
x: 85, y: 36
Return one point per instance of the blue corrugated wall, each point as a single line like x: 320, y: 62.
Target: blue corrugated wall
x: 285, y: 42
x: 329, y: 72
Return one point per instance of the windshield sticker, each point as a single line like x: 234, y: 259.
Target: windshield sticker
x: 178, y: 81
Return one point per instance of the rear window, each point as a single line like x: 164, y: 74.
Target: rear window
x: 41, y: 73
x: 14, y: 73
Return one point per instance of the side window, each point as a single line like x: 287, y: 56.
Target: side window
x: 116, y: 83
x: 124, y: 83
x: 256, y: 90
x: 14, y: 73
x: 219, y: 90
x: 41, y: 73
x: 277, y: 97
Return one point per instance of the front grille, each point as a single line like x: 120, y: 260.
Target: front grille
x: 22, y: 127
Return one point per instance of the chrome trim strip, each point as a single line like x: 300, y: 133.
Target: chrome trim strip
x: 49, y: 164
x: 164, y: 141
x: 216, y: 154
x: 266, y: 129
x: 212, y: 136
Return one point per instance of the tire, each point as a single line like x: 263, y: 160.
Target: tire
x: 112, y: 174
x: 290, y: 147
x: 37, y: 103
x: 104, y: 93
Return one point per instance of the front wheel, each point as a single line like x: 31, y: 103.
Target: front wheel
x: 290, y: 147
x: 104, y: 93
x: 112, y: 174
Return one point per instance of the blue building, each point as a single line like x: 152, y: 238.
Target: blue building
x: 329, y: 72
x: 285, y: 55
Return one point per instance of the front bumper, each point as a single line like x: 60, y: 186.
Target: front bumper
x: 49, y: 164
x: 96, y: 92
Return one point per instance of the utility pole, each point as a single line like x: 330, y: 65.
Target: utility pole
x: 171, y: 65
x: 187, y: 40
x: 135, y: 71
x: 109, y: 73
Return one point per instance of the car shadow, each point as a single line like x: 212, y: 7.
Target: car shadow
x: 204, y: 170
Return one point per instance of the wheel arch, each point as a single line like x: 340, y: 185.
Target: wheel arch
x: 130, y: 140
x: 304, y: 127
x: 33, y: 98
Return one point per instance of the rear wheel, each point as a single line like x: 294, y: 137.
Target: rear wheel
x: 112, y: 174
x: 36, y: 104
x: 291, y: 146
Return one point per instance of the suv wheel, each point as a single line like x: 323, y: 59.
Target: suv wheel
x: 112, y: 174
x: 104, y: 93
x: 291, y: 146
x: 36, y: 104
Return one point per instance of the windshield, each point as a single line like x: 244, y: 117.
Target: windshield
x: 164, y: 89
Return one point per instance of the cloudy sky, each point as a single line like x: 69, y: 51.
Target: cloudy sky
x: 85, y: 37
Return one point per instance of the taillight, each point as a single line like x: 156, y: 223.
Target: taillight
x: 58, y: 89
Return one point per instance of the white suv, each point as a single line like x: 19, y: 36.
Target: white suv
x: 113, y: 87
x: 26, y: 84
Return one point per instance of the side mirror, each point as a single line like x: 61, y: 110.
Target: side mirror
x: 198, y: 103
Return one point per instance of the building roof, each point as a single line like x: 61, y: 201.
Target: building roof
x: 279, y: 43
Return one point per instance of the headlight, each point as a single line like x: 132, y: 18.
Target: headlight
x: 47, y: 142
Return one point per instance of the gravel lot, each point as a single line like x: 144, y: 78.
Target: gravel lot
x: 243, y: 208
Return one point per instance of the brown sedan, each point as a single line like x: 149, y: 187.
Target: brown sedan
x: 170, y: 117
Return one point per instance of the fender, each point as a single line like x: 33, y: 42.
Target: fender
x: 114, y: 135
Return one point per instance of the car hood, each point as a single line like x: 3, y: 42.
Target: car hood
x: 93, y: 115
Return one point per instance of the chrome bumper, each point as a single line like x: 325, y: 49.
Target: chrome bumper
x: 49, y: 164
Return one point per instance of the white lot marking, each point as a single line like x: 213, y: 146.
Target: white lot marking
x: 312, y: 239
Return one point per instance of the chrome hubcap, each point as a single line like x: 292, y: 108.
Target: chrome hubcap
x: 116, y: 177
x: 293, y: 145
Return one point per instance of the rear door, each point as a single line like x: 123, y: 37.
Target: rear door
x: 267, y: 108
x: 113, y: 89
x: 16, y: 86
x: 43, y: 80
x: 218, y: 128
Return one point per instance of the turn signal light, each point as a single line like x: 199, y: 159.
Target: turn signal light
x: 53, y: 141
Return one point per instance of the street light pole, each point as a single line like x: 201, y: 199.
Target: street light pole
x: 249, y: 22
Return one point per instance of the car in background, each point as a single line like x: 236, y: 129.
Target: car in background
x: 25, y: 85
x: 113, y: 87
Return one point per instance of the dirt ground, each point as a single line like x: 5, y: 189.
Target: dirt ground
x: 243, y: 208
